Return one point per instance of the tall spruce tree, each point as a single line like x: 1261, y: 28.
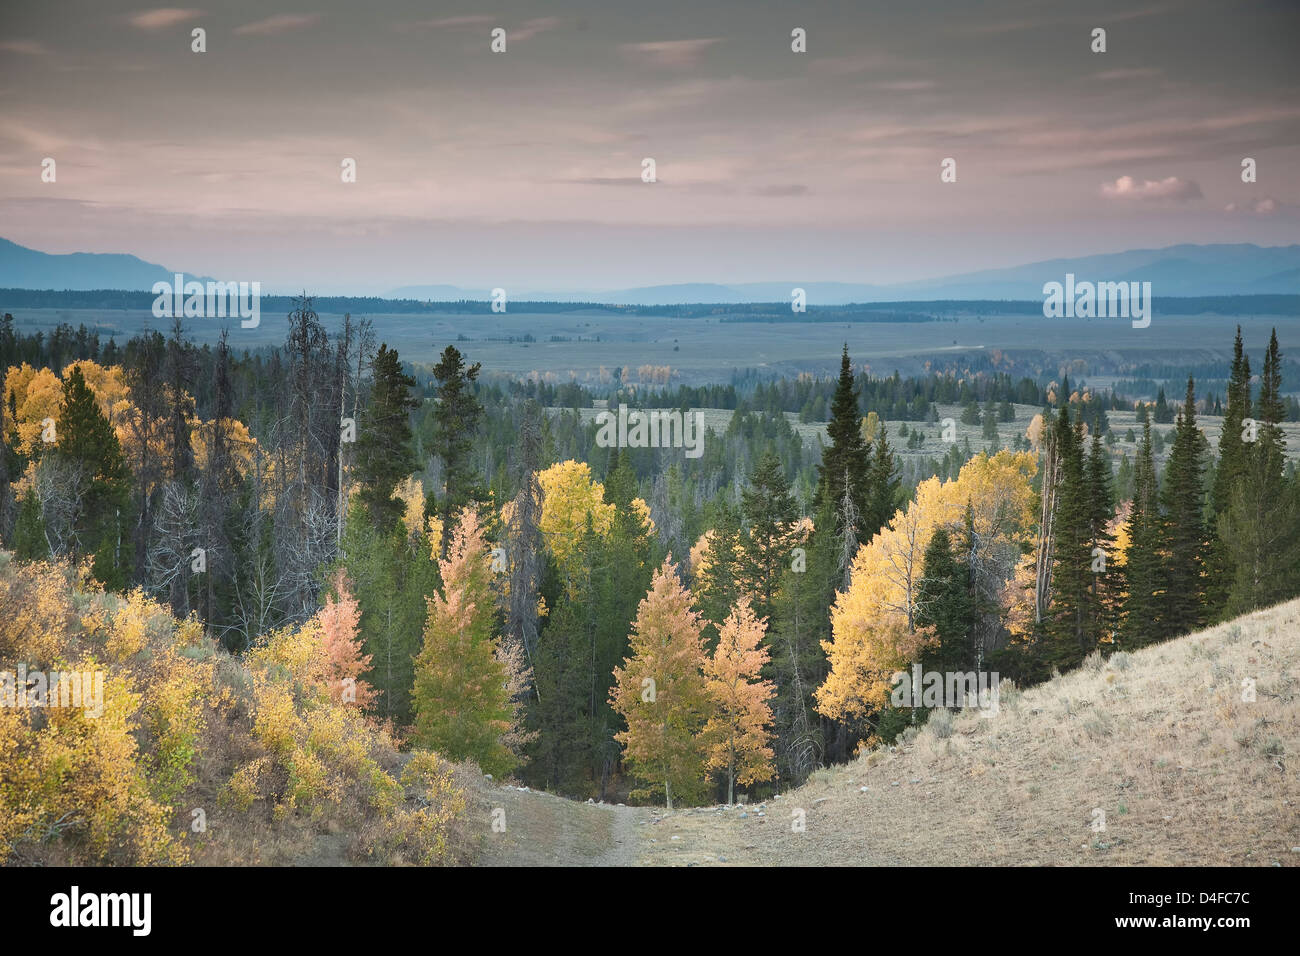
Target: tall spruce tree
x: 1229, y: 472
x: 86, y: 442
x: 1101, y: 509
x: 1070, y: 637
x: 844, y: 475
x: 943, y: 605
x: 457, y: 419
x: 769, y: 512
x: 1182, y: 498
x: 884, y: 486
x: 383, y: 454
x: 1143, y: 570
x: 718, y: 588
x: 1260, y: 532
x: 798, y: 662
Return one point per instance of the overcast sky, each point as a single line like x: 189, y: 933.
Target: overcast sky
x: 523, y: 169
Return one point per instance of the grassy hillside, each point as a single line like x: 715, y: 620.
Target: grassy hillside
x: 1185, y: 771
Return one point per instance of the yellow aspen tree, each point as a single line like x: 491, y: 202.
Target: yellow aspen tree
x: 462, y: 704
x: 660, y: 692
x: 736, y: 735
x: 873, y: 622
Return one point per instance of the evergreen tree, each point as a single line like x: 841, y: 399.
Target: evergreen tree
x: 569, y: 712
x: 383, y: 453
x: 798, y: 660
x: 1184, y: 525
x: 885, y: 489
x: 943, y: 605
x: 844, y: 472
x: 1101, y: 509
x: 1232, y: 451
x: 718, y: 587
x: 1260, y: 533
x: 770, y: 512
x: 1070, y: 636
x: 1143, y: 570
x: 391, y: 574
x: 88, y: 444
x: 457, y: 419
x: 1228, y: 475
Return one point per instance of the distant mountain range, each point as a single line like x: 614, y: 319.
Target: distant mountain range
x: 1183, y: 270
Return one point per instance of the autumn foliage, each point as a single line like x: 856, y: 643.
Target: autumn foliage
x: 660, y: 691
x: 197, y: 756
x: 737, y: 734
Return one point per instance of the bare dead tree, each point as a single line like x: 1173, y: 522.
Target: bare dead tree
x: 60, y: 485
x: 167, y: 568
x: 1046, y: 541
x: 524, y: 538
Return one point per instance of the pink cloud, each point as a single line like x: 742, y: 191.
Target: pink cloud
x: 1170, y: 188
x: 672, y: 53
x: 278, y: 24
x: 161, y: 17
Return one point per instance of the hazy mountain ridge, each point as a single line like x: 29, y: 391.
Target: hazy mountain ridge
x: 1181, y: 270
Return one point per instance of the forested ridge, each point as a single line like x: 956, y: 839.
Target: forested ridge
x: 387, y: 567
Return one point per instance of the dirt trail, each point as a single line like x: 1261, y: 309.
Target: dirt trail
x: 541, y: 829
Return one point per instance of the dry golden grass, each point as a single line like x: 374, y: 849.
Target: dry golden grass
x: 1161, y: 741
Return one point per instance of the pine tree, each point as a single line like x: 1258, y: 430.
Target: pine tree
x: 770, y: 512
x: 391, y: 576
x: 1260, y: 533
x: 462, y: 706
x: 87, y: 443
x: 1184, y: 525
x: 383, y: 453
x: 844, y: 472
x: 736, y: 735
x: 1232, y: 451
x: 660, y: 692
x: 457, y: 418
x: 717, y: 586
x: 568, y: 713
x: 798, y: 660
x: 1101, y: 510
x: 884, y: 484
x: 943, y: 606
x: 1070, y: 637
x: 1228, y: 474
x: 1143, y: 570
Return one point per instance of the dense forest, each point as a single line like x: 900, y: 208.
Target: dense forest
x: 612, y: 622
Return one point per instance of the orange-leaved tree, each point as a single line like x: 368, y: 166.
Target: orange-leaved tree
x: 341, y: 646
x: 736, y: 735
x: 660, y: 692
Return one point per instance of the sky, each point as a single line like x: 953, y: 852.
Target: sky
x: 524, y: 168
